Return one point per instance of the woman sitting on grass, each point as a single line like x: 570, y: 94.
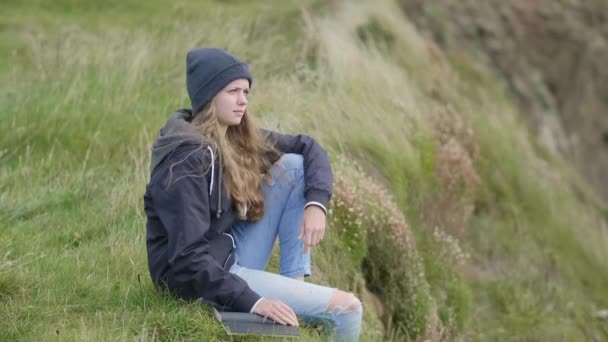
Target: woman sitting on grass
x: 220, y: 192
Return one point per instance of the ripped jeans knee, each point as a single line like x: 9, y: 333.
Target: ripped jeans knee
x: 345, y: 311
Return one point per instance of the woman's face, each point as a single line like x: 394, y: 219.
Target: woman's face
x: 231, y: 102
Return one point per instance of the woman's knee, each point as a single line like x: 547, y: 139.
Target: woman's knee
x: 292, y: 161
x: 347, y: 313
x: 345, y: 302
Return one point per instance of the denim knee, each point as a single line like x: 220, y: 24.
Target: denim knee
x: 292, y: 161
x: 347, y: 322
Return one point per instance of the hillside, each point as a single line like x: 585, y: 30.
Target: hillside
x: 449, y: 219
x: 550, y: 55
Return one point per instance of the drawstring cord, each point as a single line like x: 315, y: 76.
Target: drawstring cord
x: 212, y: 168
x: 219, y: 197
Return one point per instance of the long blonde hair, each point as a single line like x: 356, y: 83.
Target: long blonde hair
x: 246, y: 158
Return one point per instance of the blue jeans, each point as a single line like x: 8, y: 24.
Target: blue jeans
x: 284, y: 209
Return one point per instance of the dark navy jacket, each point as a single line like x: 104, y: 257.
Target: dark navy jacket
x: 188, y: 252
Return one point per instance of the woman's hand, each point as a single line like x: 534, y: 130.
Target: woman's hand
x: 277, y: 311
x: 313, y: 226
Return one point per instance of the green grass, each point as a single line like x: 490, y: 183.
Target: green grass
x: 504, y: 242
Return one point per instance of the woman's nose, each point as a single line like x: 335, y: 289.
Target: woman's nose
x: 242, y: 98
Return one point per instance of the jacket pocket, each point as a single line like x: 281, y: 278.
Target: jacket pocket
x: 230, y: 259
x: 221, y: 248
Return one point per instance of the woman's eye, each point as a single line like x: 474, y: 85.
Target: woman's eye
x: 233, y: 91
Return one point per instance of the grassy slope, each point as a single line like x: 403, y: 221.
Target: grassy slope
x: 85, y: 87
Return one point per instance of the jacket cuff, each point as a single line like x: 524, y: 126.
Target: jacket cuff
x: 246, y: 301
x: 256, y: 304
x: 320, y: 196
x: 316, y: 204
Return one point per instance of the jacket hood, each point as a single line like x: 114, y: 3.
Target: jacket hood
x: 177, y: 131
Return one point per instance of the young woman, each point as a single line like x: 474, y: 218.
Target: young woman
x: 222, y: 190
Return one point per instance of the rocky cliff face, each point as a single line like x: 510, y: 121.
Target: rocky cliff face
x: 552, y: 56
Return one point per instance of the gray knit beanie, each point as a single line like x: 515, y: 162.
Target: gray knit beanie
x: 209, y: 70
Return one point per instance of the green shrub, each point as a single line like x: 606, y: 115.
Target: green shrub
x: 391, y: 265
